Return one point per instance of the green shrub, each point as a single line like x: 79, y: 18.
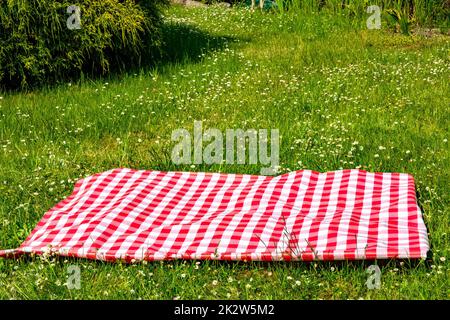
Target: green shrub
x: 37, y: 47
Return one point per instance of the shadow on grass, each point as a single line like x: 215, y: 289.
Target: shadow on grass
x: 316, y: 265
x: 187, y: 44
x: 181, y: 44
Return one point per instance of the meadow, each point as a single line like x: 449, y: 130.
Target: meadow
x: 342, y: 96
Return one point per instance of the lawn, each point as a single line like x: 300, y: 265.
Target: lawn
x: 342, y: 96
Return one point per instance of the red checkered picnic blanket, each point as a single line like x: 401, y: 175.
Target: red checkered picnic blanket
x: 302, y: 215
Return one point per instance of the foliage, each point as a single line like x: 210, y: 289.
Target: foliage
x: 424, y: 12
x: 37, y: 47
x: 403, y: 19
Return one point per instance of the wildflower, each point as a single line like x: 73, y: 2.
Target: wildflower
x: 215, y: 282
x: 442, y: 259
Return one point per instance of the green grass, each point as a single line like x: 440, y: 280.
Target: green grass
x: 342, y: 97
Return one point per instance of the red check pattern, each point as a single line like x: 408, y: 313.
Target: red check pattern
x: 303, y: 215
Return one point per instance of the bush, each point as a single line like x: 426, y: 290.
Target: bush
x: 37, y: 47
